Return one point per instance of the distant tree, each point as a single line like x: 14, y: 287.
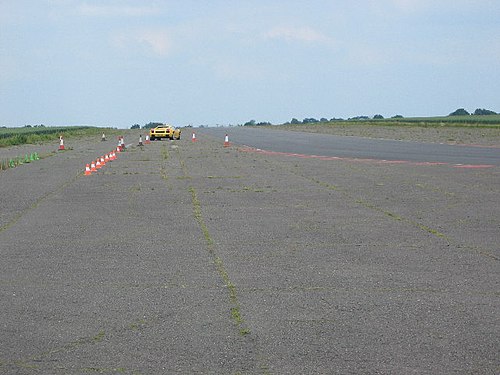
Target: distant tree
x: 263, y: 123
x: 309, y: 120
x: 336, y: 119
x: 360, y: 118
x: 459, y: 112
x: 135, y: 126
x: 295, y: 121
x: 249, y: 123
x: 322, y: 119
x: 397, y: 116
x: 378, y: 117
x: 484, y: 112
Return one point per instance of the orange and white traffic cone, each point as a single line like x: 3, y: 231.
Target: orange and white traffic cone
x: 193, y: 138
x: 61, y: 143
x: 98, y: 164
x: 147, y: 140
x: 106, y: 158
x: 87, y: 170
x: 103, y: 162
x: 226, y: 141
x: 92, y: 167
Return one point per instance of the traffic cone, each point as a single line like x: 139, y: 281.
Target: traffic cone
x: 106, y: 158
x: 92, y: 167
x: 226, y: 141
x: 61, y: 143
x: 98, y: 164
x: 193, y: 139
x: 103, y: 162
x: 147, y: 140
x: 87, y: 170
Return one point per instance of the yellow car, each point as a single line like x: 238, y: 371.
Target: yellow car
x: 164, y: 131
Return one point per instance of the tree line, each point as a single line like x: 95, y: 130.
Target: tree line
x: 312, y: 120
x: 477, y: 112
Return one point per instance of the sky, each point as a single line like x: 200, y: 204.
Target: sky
x: 118, y: 63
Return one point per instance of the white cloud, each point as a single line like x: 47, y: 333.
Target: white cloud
x: 157, y: 41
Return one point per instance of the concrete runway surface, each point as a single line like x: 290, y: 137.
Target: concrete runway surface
x: 190, y: 257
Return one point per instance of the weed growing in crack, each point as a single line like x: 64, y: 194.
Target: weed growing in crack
x: 164, y: 153
x: 219, y: 265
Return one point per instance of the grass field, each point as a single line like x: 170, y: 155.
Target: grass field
x: 458, y: 121
x: 481, y: 130
x: 34, y: 135
x: 473, y: 120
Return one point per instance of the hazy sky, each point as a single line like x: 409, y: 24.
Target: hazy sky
x: 121, y: 62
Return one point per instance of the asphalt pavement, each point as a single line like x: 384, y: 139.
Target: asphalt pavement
x: 191, y: 257
x: 357, y: 147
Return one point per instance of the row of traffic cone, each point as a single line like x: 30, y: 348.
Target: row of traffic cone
x: 226, y: 139
x: 121, y: 144
x: 100, y: 162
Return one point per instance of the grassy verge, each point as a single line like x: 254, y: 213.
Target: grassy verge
x: 472, y: 121
x: 481, y: 130
x: 35, y: 135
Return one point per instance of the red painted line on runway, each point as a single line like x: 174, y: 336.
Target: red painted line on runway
x: 377, y: 161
